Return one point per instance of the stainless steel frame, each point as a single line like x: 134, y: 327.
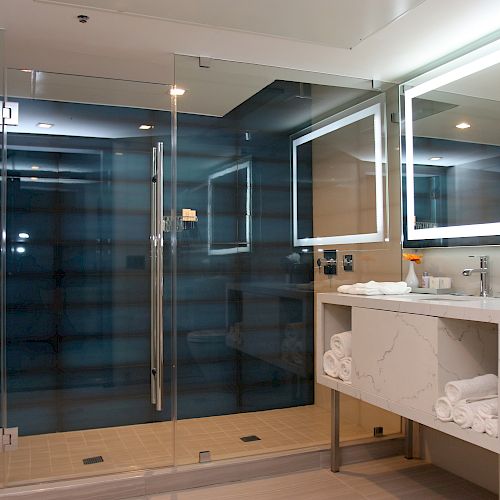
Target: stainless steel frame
x: 157, y: 277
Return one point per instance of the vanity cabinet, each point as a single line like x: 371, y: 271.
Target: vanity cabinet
x: 406, y: 348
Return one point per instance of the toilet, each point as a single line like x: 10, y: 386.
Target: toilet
x: 208, y: 346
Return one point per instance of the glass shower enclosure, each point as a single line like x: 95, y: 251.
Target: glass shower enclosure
x: 155, y: 310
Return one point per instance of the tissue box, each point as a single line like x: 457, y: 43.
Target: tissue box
x: 440, y: 282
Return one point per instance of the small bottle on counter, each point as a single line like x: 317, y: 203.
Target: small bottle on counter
x: 425, y: 279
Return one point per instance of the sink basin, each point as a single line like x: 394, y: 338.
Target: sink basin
x: 451, y: 298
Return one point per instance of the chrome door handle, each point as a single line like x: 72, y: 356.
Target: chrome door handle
x: 156, y: 290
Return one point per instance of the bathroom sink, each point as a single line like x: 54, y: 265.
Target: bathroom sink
x: 452, y: 298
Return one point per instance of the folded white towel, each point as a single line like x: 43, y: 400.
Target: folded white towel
x: 491, y: 426
x: 376, y: 288
x: 478, y: 424
x: 331, y: 364
x: 340, y: 344
x: 463, y: 413
x: 488, y: 408
x: 476, y: 387
x: 444, y: 409
x: 345, y: 369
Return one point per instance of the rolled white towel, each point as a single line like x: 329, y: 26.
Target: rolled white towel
x: 345, y: 369
x: 331, y: 364
x: 340, y: 344
x: 491, y: 426
x: 483, y: 385
x: 489, y: 408
x: 463, y: 413
x: 478, y: 424
x: 444, y: 409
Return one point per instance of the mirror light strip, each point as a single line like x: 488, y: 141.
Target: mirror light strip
x: 347, y: 118
x: 470, y: 230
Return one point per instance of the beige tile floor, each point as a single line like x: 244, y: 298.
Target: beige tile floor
x: 391, y: 478
x: 136, y: 447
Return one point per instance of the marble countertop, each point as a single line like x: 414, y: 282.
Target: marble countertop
x: 445, y: 306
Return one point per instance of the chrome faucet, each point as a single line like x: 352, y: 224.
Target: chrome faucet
x: 484, y: 274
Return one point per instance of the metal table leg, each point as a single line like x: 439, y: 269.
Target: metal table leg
x: 335, y: 444
x: 409, y: 439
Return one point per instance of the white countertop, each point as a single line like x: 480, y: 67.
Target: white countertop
x: 445, y: 306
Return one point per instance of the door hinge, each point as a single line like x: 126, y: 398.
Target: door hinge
x: 10, y: 113
x: 9, y: 438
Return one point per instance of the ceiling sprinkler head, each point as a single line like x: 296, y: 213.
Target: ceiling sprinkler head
x: 82, y: 18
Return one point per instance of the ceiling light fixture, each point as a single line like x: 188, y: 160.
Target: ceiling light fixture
x: 35, y: 167
x: 44, y: 125
x: 144, y: 126
x: 177, y: 91
x: 462, y: 125
x: 33, y: 178
x: 24, y: 236
x: 435, y: 158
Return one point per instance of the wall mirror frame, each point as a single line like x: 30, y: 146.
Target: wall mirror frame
x: 244, y: 240
x: 471, y: 63
x: 375, y: 108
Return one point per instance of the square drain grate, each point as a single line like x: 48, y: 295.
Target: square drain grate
x: 249, y: 439
x: 93, y: 460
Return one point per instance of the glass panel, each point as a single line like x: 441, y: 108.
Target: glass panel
x: 3, y: 184
x: 78, y: 277
x: 245, y: 293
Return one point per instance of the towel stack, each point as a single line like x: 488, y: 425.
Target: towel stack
x: 376, y: 288
x: 471, y: 403
x: 337, y: 361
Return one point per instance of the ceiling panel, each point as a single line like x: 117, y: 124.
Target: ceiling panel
x: 337, y: 23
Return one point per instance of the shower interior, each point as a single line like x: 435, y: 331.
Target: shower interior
x: 238, y: 375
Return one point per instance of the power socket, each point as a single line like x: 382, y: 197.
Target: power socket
x: 348, y: 263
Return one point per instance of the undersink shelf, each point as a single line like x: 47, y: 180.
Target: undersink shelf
x: 405, y: 350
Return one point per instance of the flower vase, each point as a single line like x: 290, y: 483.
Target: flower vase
x: 411, y: 278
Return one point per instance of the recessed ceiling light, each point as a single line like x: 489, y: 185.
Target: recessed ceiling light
x: 144, y: 126
x: 20, y: 249
x: 177, y: 91
x: 24, y: 236
x: 35, y: 167
x: 44, y: 125
x: 462, y: 125
x: 435, y: 158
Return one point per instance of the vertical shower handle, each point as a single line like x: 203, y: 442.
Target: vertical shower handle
x: 156, y: 298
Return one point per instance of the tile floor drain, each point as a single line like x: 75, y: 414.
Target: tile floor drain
x: 249, y: 439
x: 93, y: 460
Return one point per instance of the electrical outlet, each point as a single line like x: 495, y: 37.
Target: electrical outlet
x: 348, y: 263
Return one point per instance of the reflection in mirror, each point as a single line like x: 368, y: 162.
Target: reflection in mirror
x: 229, y: 193
x: 453, y: 156
x: 344, y: 157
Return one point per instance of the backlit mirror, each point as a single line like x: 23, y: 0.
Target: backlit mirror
x: 452, y: 158
x: 338, y: 168
x: 229, y: 209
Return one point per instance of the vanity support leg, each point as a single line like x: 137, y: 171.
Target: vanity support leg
x: 408, y: 438
x: 335, y: 445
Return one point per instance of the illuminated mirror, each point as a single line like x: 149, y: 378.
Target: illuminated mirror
x: 452, y: 160
x: 338, y: 170
x: 229, y: 209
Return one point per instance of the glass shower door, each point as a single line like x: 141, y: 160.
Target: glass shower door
x: 88, y: 384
